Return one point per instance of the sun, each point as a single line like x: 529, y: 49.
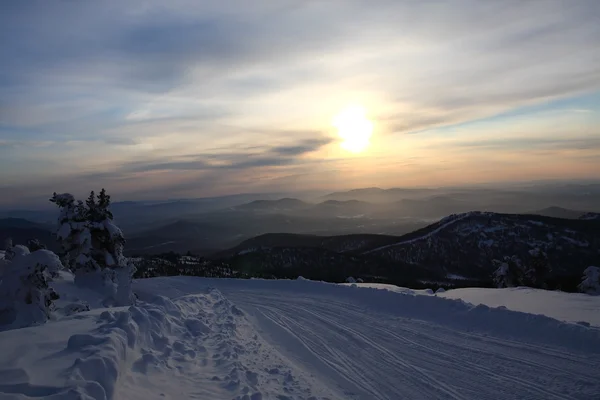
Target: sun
x: 354, y: 128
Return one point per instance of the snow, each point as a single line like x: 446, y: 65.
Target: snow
x: 248, y: 250
x: 456, y: 277
x: 113, y: 230
x: 298, y: 339
x: 537, y: 223
x: 64, y: 231
x: 391, y: 288
x: 570, y: 307
x: 496, y: 229
x: 25, y: 298
x: 590, y: 216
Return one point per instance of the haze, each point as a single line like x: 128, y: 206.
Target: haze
x: 156, y: 100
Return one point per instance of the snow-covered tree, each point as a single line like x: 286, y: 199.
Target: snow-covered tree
x: 591, y: 281
x: 512, y: 271
x: 350, y: 280
x: 108, y: 243
x: 94, y: 245
x: 73, y: 234
x: 25, y: 296
x: 107, y: 239
x: 508, y: 272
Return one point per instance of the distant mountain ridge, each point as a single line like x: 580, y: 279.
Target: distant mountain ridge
x: 284, y: 204
x: 462, y: 245
x: 353, y: 243
x: 21, y: 230
x: 560, y: 212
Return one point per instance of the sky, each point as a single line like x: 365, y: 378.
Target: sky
x: 155, y: 99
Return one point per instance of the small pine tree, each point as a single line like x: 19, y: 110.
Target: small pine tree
x: 92, y: 207
x: 536, y: 270
x: 104, y: 203
x: 590, y: 283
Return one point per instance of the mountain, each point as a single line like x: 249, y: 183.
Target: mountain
x: 559, y: 212
x: 378, y: 195
x: 21, y: 231
x: 458, y: 247
x: 339, y: 244
x: 437, y: 206
x: 134, y: 217
x: 509, y: 199
x: 139, y: 216
x: 320, y: 263
x: 198, y: 236
x: 21, y: 223
x: 220, y: 230
x: 345, y: 209
x: 47, y: 216
x: 325, y: 209
x: 280, y: 205
x: 465, y: 244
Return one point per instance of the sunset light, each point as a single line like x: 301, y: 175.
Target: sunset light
x: 354, y: 128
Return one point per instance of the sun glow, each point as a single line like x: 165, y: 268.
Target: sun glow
x: 354, y: 128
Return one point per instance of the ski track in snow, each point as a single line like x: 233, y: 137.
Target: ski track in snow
x: 363, y: 353
x: 411, y: 359
x: 194, y: 338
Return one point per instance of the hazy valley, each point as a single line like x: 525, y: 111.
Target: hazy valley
x: 400, y: 236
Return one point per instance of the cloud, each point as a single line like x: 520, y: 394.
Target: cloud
x: 194, y: 86
x: 259, y: 157
x: 306, y: 146
x: 15, y: 144
x: 123, y: 141
x: 526, y: 143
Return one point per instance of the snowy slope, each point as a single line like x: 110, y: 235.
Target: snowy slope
x: 571, y: 307
x: 255, y: 339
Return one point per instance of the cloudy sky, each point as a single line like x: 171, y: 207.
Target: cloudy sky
x: 155, y: 99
